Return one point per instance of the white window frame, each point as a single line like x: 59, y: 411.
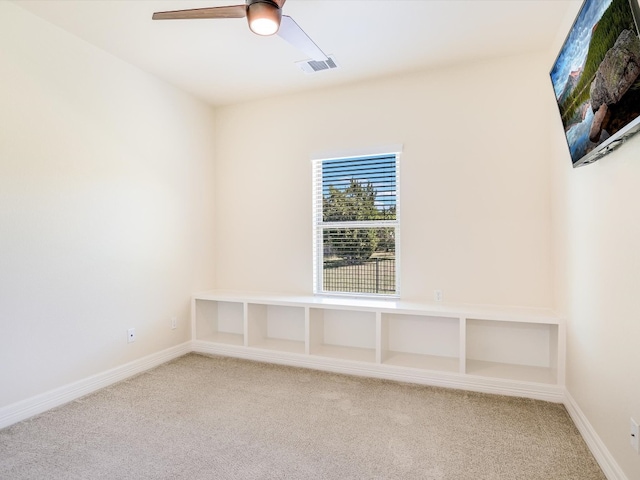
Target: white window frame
x: 319, y: 225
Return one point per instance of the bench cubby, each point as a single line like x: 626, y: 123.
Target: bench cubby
x: 276, y: 327
x: 219, y: 322
x: 420, y: 341
x: 344, y: 334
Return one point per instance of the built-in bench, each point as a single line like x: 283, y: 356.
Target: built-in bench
x: 504, y: 350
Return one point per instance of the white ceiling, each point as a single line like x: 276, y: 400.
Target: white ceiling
x: 222, y: 62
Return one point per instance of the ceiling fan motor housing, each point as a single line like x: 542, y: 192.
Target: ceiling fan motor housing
x: 263, y: 16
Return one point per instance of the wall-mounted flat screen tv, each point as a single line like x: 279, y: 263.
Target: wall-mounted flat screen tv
x: 596, y: 79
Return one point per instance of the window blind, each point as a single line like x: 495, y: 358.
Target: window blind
x: 356, y: 225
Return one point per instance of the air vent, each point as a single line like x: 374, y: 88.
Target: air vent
x: 314, y: 66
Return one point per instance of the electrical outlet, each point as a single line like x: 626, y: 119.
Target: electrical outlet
x: 635, y: 436
x: 131, y: 335
x: 437, y: 295
x: 174, y: 323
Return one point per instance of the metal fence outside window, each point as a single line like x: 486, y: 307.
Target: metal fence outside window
x: 375, y: 275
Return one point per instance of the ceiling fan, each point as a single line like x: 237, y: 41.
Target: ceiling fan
x: 264, y: 17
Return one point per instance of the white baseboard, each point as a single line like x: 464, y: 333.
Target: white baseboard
x: 602, y: 455
x: 549, y: 393
x: 24, y: 409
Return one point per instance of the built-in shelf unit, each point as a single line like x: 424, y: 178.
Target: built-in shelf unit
x: 504, y: 350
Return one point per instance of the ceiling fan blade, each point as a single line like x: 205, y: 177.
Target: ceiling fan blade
x: 233, y: 11
x: 292, y: 33
x: 280, y: 3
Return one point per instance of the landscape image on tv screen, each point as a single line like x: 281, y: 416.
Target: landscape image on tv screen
x: 596, y: 79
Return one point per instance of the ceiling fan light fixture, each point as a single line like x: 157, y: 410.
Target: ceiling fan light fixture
x: 264, y: 17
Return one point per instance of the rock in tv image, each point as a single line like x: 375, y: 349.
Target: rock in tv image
x: 596, y: 79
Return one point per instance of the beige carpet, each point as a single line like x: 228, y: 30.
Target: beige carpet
x: 204, y: 417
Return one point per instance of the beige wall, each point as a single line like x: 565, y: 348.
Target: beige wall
x: 596, y: 225
x: 598, y: 261
x: 106, y: 208
x: 474, y: 180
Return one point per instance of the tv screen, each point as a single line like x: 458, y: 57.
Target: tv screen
x: 596, y: 79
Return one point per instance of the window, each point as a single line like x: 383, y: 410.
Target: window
x: 356, y: 225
